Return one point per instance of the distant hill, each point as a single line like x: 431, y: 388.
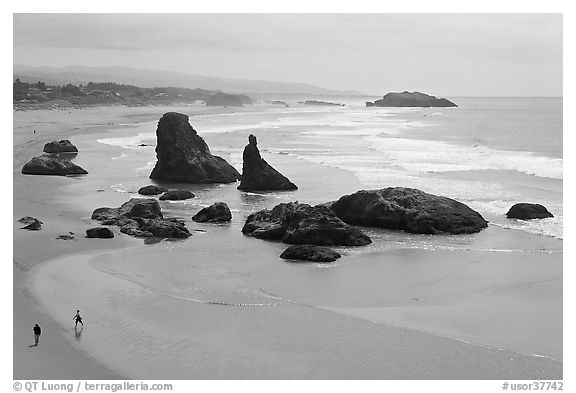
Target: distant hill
x: 153, y: 78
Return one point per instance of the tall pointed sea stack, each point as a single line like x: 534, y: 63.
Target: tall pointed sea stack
x: 184, y: 157
x: 258, y: 175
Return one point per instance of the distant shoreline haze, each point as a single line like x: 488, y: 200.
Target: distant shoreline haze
x: 147, y: 78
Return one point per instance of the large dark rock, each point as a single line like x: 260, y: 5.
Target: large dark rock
x: 141, y: 207
x: 184, y: 157
x: 298, y: 223
x: 308, y: 252
x: 177, y: 195
x: 217, y: 212
x: 63, y: 146
x: 409, y: 210
x: 223, y: 99
x: 414, y: 99
x: 31, y: 223
x: 99, y: 232
x: 258, y: 175
x: 164, y: 228
x: 52, y: 164
x: 528, y: 211
x: 141, y: 217
x: 151, y: 190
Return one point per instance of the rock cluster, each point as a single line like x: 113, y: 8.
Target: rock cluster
x: 141, y: 217
x: 299, y: 223
x: 184, y: 157
x: 408, y: 209
x: 257, y: 174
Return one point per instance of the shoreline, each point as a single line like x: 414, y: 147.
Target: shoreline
x: 33, y: 194
x: 137, y: 327
x: 124, y: 244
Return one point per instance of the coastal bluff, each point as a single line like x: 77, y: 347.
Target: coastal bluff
x: 411, y: 99
x: 257, y: 174
x: 184, y: 157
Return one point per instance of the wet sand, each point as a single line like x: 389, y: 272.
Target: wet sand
x: 145, y: 334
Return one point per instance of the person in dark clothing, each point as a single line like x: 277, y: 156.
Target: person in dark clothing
x: 78, y: 318
x: 37, y: 332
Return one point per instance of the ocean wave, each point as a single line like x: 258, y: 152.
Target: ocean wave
x: 129, y: 142
x: 417, y: 155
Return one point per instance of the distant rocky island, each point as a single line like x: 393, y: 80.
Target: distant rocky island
x: 414, y: 99
x: 321, y: 103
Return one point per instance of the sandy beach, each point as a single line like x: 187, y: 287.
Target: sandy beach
x: 55, y: 357
x: 222, y: 306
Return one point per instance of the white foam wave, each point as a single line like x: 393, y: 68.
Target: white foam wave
x: 433, y: 156
x: 129, y: 142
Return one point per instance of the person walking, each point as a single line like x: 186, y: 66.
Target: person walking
x: 37, y: 332
x: 78, y: 318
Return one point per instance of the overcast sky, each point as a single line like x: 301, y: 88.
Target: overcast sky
x: 440, y: 54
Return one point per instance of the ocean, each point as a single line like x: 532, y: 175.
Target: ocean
x: 489, y: 152
x: 483, y: 289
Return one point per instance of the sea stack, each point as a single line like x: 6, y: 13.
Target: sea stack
x: 258, y: 175
x: 411, y: 99
x: 184, y: 157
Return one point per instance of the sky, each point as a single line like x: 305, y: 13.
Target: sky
x: 439, y: 54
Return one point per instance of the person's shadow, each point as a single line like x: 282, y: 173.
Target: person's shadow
x: 78, y: 332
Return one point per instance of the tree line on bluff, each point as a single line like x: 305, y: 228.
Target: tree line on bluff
x: 94, y: 93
